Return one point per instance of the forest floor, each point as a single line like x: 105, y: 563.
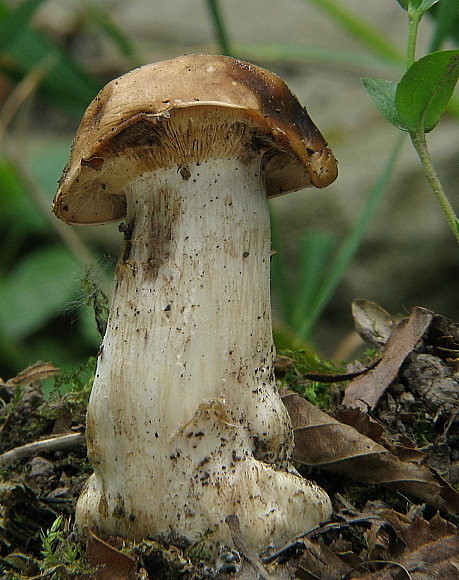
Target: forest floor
x: 380, y: 435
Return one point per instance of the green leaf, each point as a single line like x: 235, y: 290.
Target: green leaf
x: 17, y: 21
x: 66, y: 83
x: 446, y: 18
x: 16, y: 209
x: 425, y: 89
x: 42, y: 284
x: 101, y: 16
x: 420, y: 6
x: 406, y: 3
x: 383, y: 94
x: 426, y: 4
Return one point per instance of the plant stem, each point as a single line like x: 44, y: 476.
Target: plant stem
x: 219, y: 27
x: 418, y: 139
x: 414, y: 19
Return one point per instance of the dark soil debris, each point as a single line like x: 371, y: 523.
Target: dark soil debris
x: 389, y: 461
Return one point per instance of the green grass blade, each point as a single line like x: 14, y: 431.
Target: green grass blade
x: 314, y: 259
x: 359, y: 29
x: 13, y: 23
x: 349, y: 247
x: 220, y: 30
x: 66, y: 83
x: 110, y: 28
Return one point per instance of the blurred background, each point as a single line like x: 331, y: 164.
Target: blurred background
x: 377, y: 233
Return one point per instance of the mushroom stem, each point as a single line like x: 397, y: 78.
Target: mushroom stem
x: 185, y: 425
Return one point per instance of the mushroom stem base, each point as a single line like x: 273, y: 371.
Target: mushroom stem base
x: 185, y: 425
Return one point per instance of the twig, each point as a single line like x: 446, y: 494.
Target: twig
x: 53, y: 444
x: 386, y: 563
x: 241, y: 546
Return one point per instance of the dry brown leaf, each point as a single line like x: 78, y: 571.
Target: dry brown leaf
x: 411, y: 529
x: 361, y: 421
x: 422, y: 531
x: 37, y: 372
x: 111, y: 564
x: 319, y: 562
x: 422, y: 550
x: 366, y: 390
x: 372, y: 322
x: 323, y: 441
x: 438, y: 559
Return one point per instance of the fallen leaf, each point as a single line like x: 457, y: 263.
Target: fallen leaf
x: 37, y: 372
x: 320, y: 562
x: 111, y: 564
x: 323, y: 441
x: 372, y: 322
x: 366, y: 390
x: 422, y: 531
x: 438, y: 559
x: 361, y: 421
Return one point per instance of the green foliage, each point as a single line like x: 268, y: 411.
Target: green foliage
x: 38, y: 275
x: 16, y: 22
x: 446, y: 15
x: 35, y: 293
x: 49, y: 540
x: 383, y: 94
x: 66, y: 84
x: 74, y: 387
x: 95, y: 297
x: 62, y: 557
x: 416, y: 103
x: 316, y: 392
x: 425, y: 90
x: 420, y: 6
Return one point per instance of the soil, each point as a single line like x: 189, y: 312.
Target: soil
x: 406, y: 526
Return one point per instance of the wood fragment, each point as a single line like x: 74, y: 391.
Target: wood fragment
x: 52, y: 444
x: 241, y: 546
x: 366, y: 390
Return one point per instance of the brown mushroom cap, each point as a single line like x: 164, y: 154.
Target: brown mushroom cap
x: 186, y: 110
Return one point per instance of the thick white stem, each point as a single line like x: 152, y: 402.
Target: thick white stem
x: 184, y: 418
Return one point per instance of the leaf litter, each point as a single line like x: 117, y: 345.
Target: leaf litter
x: 385, y: 446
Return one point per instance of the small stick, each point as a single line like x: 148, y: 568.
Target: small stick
x: 52, y: 444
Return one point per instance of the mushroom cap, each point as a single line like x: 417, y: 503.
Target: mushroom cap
x: 188, y: 109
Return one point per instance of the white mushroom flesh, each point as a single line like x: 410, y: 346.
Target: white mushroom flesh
x: 185, y: 425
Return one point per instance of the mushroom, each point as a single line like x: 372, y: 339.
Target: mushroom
x: 185, y: 425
